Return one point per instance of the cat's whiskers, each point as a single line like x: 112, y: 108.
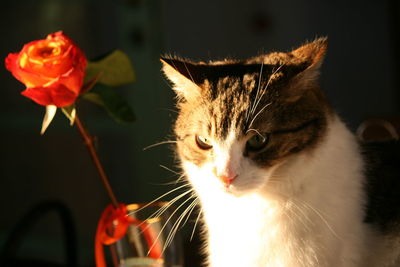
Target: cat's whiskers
x: 160, y: 143
x: 181, y: 175
x: 298, y: 203
x: 197, y: 200
x: 170, y: 170
x: 177, y: 181
x: 158, y: 198
x: 195, y: 223
x: 177, y: 225
x: 302, y: 217
x: 161, y: 210
x: 321, y: 216
x: 167, y: 222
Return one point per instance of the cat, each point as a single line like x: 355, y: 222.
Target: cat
x: 281, y: 180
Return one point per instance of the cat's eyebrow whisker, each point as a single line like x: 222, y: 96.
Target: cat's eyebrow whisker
x: 257, y: 101
x: 258, y: 91
x: 258, y: 113
x: 254, y: 130
x: 160, y: 143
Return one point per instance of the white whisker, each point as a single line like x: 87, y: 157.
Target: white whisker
x: 250, y: 111
x: 168, y: 169
x: 176, y: 225
x: 195, y: 224
x: 184, y: 63
x: 166, y: 223
x: 163, y: 209
x: 196, y: 201
x: 254, y: 130
x: 160, y: 143
x: 158, y: 198
x: 258, y: 113
x: 319, y: 214
x: 170, y: 203
x: 265, y: 89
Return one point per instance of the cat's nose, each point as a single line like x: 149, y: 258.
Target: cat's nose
x: 227, y: 179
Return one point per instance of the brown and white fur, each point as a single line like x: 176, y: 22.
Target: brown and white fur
x: 280, y: 178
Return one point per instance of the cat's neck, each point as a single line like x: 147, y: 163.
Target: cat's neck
x: 290, y: 220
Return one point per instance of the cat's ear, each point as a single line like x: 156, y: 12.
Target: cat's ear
x: 311, y: 55
x: 183, y: 75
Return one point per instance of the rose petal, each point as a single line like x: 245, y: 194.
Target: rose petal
x: 28, y: 78
x: 40, y: 95
x: 50, y: 65
x: 52, y: 69
x: 61, y: 95
x: 56, y: 94
x: 73, y: 80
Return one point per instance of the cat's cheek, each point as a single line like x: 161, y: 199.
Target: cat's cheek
x: 202, y: 177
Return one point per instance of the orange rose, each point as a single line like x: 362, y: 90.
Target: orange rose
x: 52, y: 70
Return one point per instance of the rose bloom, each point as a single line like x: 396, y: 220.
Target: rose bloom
x: 52, y: 70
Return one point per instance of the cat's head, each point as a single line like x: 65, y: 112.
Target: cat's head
x: 239, y: 120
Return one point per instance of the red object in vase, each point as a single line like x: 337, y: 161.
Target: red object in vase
x: 112, y: 226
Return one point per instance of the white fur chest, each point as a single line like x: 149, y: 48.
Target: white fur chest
x: 237, y: 231
x: 253, y: 232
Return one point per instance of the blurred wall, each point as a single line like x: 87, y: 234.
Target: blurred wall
x: 360, y: 75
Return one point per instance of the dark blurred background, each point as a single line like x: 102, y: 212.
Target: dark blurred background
x: 360, y: 76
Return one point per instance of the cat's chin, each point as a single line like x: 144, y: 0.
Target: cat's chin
x: 231, y: 190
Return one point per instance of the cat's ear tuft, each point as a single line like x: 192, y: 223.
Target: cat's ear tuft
x: 312, y: 53
x: 183, y: 76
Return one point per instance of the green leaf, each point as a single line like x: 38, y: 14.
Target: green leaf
x: 115, y: 105
x: 70, y: 113
x: 115, y: 69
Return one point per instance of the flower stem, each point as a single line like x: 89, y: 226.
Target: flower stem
x: 88, y: 140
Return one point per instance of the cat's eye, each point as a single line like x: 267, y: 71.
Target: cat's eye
x: 203, y: 142
x: 257, y: 142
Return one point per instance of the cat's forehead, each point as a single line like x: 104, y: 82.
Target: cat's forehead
x: 224, y: 75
